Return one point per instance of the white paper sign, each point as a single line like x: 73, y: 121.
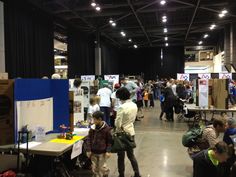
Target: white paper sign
x: 40, y: 133
x: 225, y: 76
x: 77, y: 149
x: 183, y: 77
x: 78, y: 108
x: 203, y: 92
x: 112, y: 78
x: 88, y: 78
x: 204, y: 76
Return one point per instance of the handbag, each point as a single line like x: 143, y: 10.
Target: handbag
x: 122, y: 141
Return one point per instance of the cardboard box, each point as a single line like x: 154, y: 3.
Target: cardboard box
x: 220, y: 93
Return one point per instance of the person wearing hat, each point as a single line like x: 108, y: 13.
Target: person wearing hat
x: 115, y: 104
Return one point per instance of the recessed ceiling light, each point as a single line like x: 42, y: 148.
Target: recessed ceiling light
x: 164, y: 20
x: 224, y: 11
x: 113, y: 24
x: 111, y: 21
x: 98, y: 8
x: 166, y: 38
x: 212, y: 26
x: 166, y: 44
x: 135, y: 46
x: 164, y: 17
x: 221, y: 15
x: 93, y: 4
x: 165, y: 30
x: 205, y: 36
x: 123, y: 33
x: 130, y: 40
x: 162, y: 2
x: 200, y: 42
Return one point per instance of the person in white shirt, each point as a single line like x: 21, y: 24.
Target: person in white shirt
x: 93, y: 107
x: 115, y: 104
x: 125, y: 118
x: 105, y: 102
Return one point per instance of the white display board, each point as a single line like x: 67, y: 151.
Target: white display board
x: 88, y: 77
x: 112, y: 78
x: 35, y: 113
x: 204, y: 76
x: 85, y: 85
x: 78, y: 104
x: 203, y: 93
x: 183, y: 77
x: 225, y: 75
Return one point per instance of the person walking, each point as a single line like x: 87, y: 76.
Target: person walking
x: 125, y: 119
x: 105, y: 102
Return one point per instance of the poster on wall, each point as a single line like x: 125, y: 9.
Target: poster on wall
x: 88, y: 77
x: 204, y: 76
x: 183, y: 77
x: 225, y: 75
x: 112, y: 78
x: 78, y: 106
x: 203, y: 92
x: 35, y: 113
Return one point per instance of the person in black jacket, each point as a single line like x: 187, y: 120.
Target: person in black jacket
x: 169, y: 103
x: 99, y: 145
x: 207, y: 163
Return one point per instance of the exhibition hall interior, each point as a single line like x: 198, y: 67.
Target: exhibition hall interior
x: 118, y: 88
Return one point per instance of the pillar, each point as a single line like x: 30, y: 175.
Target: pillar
x: 2, y: 45
x: 98, y: 56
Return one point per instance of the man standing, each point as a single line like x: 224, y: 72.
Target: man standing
x: 131, y: 86
x: 105, y: 102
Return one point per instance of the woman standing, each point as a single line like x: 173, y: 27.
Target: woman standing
x: 169, y: 103
x: 126, y: 115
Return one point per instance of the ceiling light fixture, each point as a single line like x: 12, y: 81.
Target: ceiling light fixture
x: 111, y: 21
x: 221, y: 15
x: 123, y: 33
x: 205, y: 36
x: 224, y: 11
x: 163, y: 2
x: 166, y: 44
x: 166, y: 38
x: 93, y: 3
x: 165, y: 30
x: 98, y: 8
x: 200, y: 42
x: 130, y: 40
x: 164, y: 20
x: 164, y: 17
x: 212, y: 26
x: 135, y: 46
x: 113, y: 24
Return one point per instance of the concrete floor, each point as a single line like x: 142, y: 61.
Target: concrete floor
x: 159, y: 150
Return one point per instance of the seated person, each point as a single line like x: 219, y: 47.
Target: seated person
x: 206, y: 163
x: 231, y: 130
x: 211, y: 133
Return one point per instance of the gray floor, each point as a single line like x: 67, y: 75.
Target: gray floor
x: 159, y: 150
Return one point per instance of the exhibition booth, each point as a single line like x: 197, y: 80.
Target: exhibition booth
x: 45, y: 118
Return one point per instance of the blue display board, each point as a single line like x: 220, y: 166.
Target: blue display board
x: 34, y: 89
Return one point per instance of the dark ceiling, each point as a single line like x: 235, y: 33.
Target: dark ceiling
x: 141, y: 20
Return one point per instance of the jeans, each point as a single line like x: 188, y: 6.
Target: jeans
x: 121, y: 162
x: 106, y: 111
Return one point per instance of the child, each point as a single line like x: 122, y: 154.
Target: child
x: 145, y: 97
x: 93, y: 107
x: 99, y: 145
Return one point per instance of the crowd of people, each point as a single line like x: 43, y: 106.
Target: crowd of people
x: 120, y: 108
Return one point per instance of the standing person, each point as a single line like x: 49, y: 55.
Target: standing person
x: 99, y: 145
x: 173, y: 87
x: 139, y: 104
x: 206, y: 163
x: 93, y: 107
x: 115, y: 104
x: 169, y: 103
x: 145, y: 97
x: 105, y: 102
x: 162, y: 100
x: 131, y: 86
x: 126, y: 116
x: 151, y: 93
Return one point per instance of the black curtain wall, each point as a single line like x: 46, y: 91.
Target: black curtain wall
x: 110, y: 59
x: 81, y: 54
x: 28, y: 41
